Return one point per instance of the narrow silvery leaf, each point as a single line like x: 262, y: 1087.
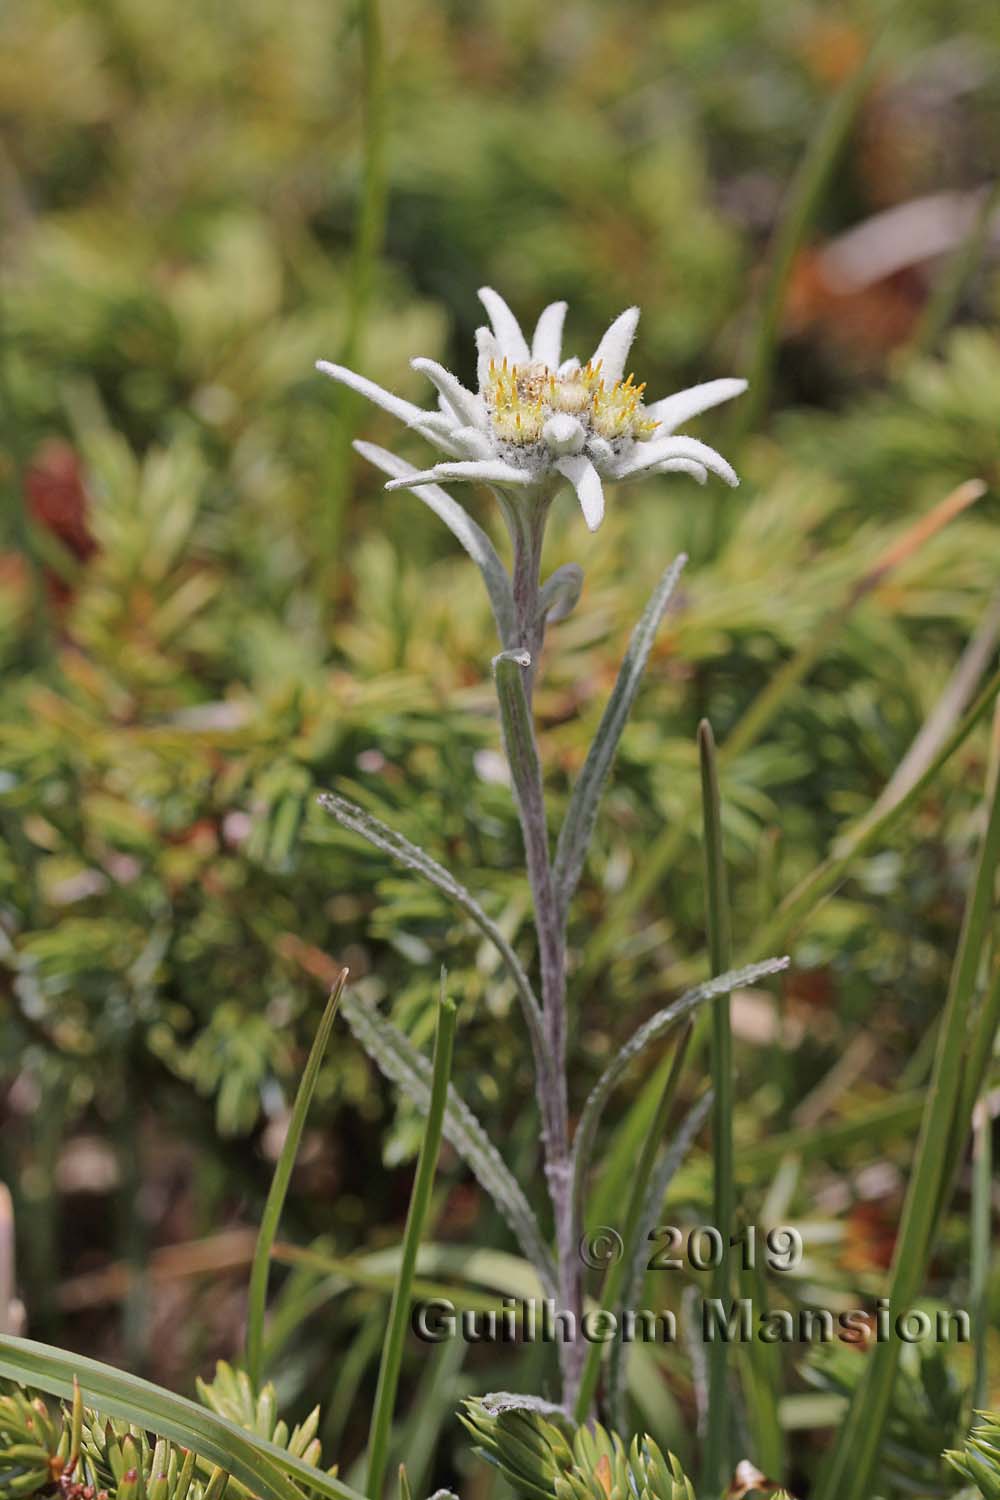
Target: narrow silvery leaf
x: 575, y: 835
x: 654, y: 1028
x: 509, y: 670
x: 560, y: 592
x: 501, y: 1401
x: 663, y: 1173
x: 349, y: 815
x: 405, y: 1066
x: 471, y: 535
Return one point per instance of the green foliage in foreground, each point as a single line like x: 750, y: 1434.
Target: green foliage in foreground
x: 979, y: 1461
x: 75, y: 1451
x: 543, y: 1456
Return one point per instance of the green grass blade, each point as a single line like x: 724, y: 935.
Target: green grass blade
x: 356, y: 1273
x: 368, y: 238
x: 405, y: 1066
x: 718, y: 1466
x: 982, y: 1229
x: 636, y: 1259
x: 459, y: 1265
x: 849, y: 1472
x: 804, y: 199
x: 980, y: 1049
x: 802, y: 901
x: 392, y: 1357
x: 761, y: 1379
x: 615, y: 1278
x: 257, y: 1297
x: 868, y: 1126
x: 265, y: 1469
x: 625, y: 1138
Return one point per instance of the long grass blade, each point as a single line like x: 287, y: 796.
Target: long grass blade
x: 984, y: 1031
x: 265, y: 1469
x: 392, y: 1356
x: 804, y: 198
x: 821, y: 1142
x: 718, y: 1465
x: 636, y: 1259
x: 804, y: 899
x: 408, y: 1068
x: 368, y: 238
x: 958, y: 692
x: 761, y: 1372
x: 257, y: 1297
x: 615, y: 1278
x: 981, y: 1237
x: 379, y: 1273
x: 849, y: 1472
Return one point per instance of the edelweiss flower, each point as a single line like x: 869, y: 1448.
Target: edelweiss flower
x: 537, y: 419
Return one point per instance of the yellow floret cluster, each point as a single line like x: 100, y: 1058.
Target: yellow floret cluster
x: 520, y: 399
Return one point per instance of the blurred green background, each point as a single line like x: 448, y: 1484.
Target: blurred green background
x: 209, y: 609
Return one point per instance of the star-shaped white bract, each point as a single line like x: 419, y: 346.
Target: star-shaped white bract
x: 537, y: 419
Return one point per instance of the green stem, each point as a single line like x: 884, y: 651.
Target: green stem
x: 980, y: 1049
x: 717, y: 1467
x: 132, y: 1232
x: 982, y: 1223
x: 392, y: 1354
x: 257, y: 1296
x: 850, y: 1469
x: 371, y: 217
x: 368, y: 239
x: 804, y: 198
x: 514, y: 674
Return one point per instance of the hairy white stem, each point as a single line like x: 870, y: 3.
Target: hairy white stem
x: 526, y: 529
